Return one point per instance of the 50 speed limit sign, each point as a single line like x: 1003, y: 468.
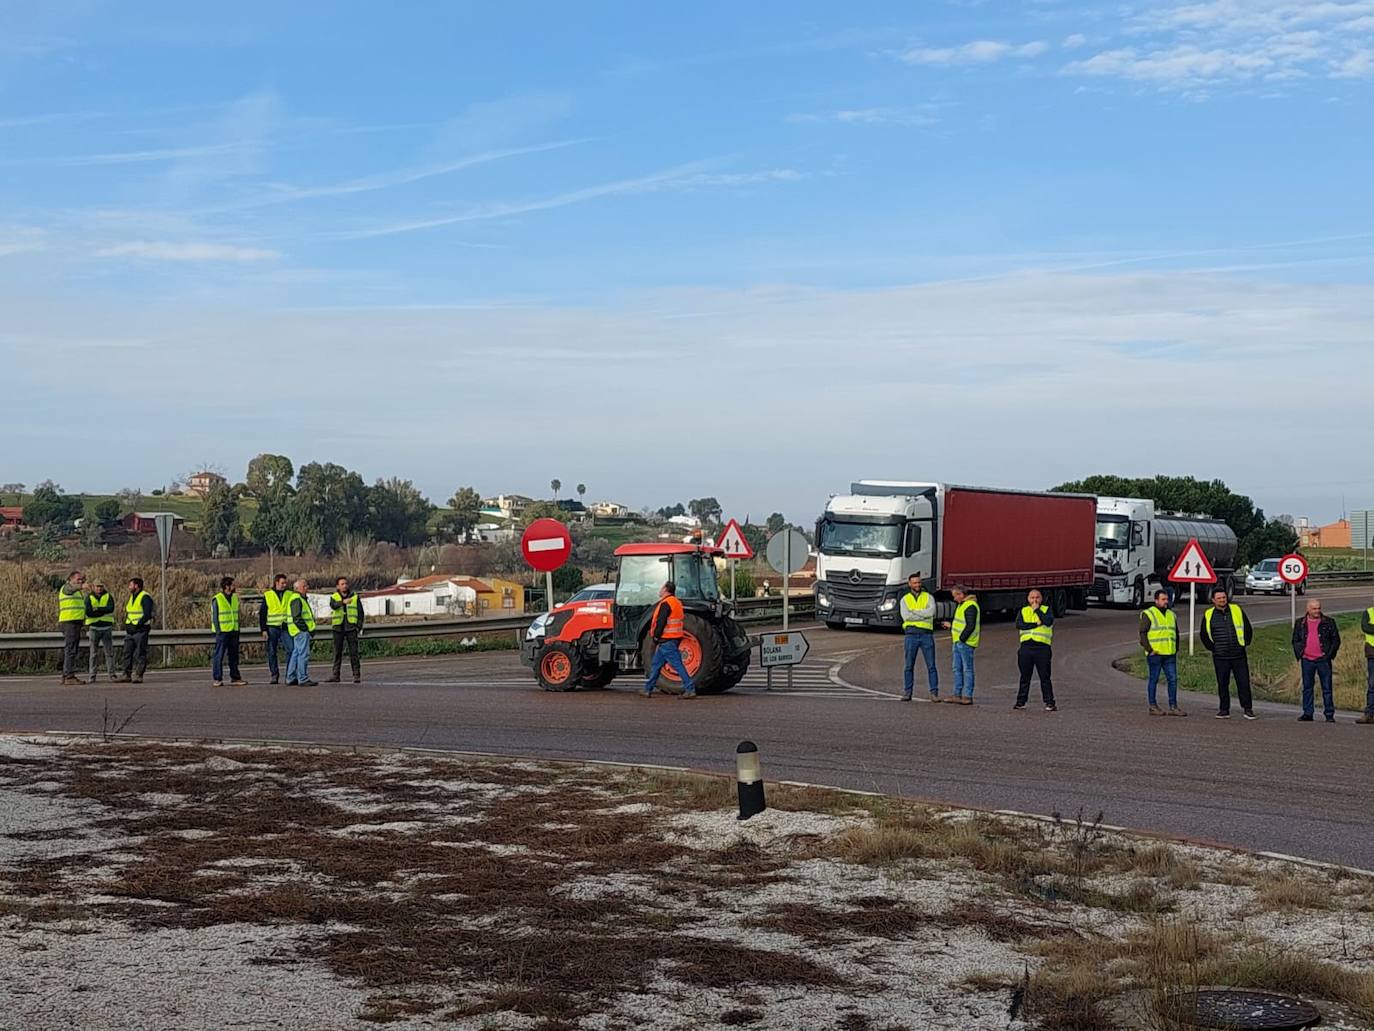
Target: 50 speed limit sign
x: 1293, y: 569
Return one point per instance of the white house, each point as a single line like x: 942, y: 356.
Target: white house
x: 689, y: 521
x: 608, y: 509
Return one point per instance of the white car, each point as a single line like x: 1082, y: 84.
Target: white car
x: 1265, y: 579
x: 596, y: 592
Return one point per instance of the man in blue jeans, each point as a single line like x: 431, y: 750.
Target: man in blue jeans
x: 966, y: 630
x: 667, y: 627
x: 1367, y: 628
x: 918, y: 630
x: 1159, y: 638
x: 1316, y: 640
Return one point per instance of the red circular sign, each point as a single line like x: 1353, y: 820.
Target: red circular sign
x: 546, y: 544
x: 1293, y: 569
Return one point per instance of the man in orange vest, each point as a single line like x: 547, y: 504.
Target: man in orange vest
x: 667, y: 627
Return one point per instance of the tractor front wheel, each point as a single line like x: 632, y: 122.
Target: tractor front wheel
x: 558, y: 667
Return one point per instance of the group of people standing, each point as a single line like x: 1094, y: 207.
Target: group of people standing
x: 285, y: 621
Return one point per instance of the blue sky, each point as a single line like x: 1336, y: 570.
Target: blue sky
x: 750, y: 250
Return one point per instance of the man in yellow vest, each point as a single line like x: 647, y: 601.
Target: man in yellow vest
x: 1159, y: 638
x: 224, y: 617
x: 300, y: 624
x: 1367, y: 627
x: 100, y: 620
x: 272, y: 623
x: 1035, y: 628
x: 966, y: 630
x: 346, y: 619
x: 1227, y: 633
x: 918, y: 637
x: 71, y: 617
x: 138, y: 624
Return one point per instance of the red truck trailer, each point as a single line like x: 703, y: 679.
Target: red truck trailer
x: 999, y: 543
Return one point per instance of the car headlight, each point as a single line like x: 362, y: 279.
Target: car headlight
x: 888, y: 605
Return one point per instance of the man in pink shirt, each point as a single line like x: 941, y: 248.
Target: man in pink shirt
x: 1316, y: 640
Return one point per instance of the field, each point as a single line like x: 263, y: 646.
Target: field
x: 188, y: 506
x: 1274, y: 673
x: 346, y: 890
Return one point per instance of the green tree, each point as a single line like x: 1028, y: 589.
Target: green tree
x: 398, y: 512
x: 708, y: 510
x: 12, y: 488
x: 219, y: 520
x: 777, y: 521
x: 595, y: 553
x: 668, y: 511
x: 567, y: 580
x: 271, y: 527
x: 267, y: 472
x: 50, y: 507
x: 106, y: 512
x: 330, y: 502
x: 542, y: 510
x: 557, y: 485
x: 756, y: 536
x: 581, y: 491
x: 465, y: 512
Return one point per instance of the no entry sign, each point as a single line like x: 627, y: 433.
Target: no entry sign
x: 546, y: 545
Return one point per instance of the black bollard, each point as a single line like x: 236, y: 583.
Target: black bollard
x: 751, y: 801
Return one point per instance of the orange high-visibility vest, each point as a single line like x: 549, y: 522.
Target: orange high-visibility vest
x: 673, y: 630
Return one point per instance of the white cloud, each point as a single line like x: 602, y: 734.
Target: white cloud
x: 920, y: 115
x: 1359, y: 65
x: 169, y: 250
x: 21, y: 240
x: 1074, y: 41
x: 979, y: 51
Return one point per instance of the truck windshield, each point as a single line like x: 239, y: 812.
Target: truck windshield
x: 840, y: 538
x: 1113, y: 531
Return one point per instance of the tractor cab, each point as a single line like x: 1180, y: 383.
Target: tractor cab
x: 644, y: 569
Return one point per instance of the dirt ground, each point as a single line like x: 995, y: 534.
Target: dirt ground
x: 152, y: 886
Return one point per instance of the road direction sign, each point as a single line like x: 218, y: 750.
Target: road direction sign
x: 1192, y: 566
x: 546, y: 545
x: 1293, y: 569
x: 164, y: 521
x: 783, y: 649
x: 733, y: 543
x: 787, y: 551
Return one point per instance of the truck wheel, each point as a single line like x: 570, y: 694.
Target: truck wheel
x: 558, y: 667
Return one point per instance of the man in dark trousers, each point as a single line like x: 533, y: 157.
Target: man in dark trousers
x: 1227, y: 633
x: 1316, y: 640
x: 667, y: 627
x: 224, y: 621
x: 100, y: 620
x: 1035, y: 626
x: 346, y: 618
x: 71, y: 617
x: 138, y: 624
x: 272, y: 623
x: 1367, y: 628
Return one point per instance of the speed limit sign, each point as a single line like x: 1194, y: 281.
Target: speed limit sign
x: 1293, y: 569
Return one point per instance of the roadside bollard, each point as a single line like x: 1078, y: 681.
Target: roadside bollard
x: 751, y: 801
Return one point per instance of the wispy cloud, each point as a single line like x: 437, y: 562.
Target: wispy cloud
x: 979, y: 51
x: 170, y: 250
x: 21, y: 240
x: 1074, y: 41
x: 130, y: 157
x: 917, y: 116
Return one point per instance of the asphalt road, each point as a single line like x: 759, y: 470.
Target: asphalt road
x: 1273, y: 784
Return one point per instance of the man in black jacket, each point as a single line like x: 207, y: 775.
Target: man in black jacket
x: 1316, y: 640
x: 138, y: 624
x: 1226, y: 633
x: 1367, y: 627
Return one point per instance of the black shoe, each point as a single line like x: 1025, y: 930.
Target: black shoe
x: 1305, y: 718
x: 1331, y: 719
x: 1223, y: 715
x: 273, y: 680
x: 293, y: 683
x: 1051, y: 707
x: 310, y: 683
x: 1019, y: 705
x: 906, y: 697
x: 1249, y: 714
x: 357, y: 680
x: 333, y: 680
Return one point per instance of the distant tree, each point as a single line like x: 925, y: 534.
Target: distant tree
x: 268, y: 471
x: 581, y: 491
x: 219, y: 520
x: 595, y: 553
x: 465, y: 512
x: 49, y: 547
x: 708, y: 510
x: 12, y: 488
x: 50, y: 507
x: 106, y: 512
x: 777, y: 521
x: 398, y: 512
x: 757, y: 537
x: 1286, y: 519
x: 330, y: 501
x: 557, y: 485
x: 542, y: 510
x: 669, y: 511
x: 567, y: 580
x: 271, y: 527
x: 128, y: 498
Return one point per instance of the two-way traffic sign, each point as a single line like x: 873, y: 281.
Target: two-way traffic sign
x: 1192, y: 566
x: 733, y: 543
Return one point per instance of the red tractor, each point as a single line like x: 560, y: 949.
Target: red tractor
x: 589, y: 646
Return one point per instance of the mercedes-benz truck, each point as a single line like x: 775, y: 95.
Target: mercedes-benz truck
x: 998, y: 543
x: 1137, y: 549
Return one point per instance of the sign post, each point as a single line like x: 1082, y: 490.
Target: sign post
x: 787, y: 553
x: 1293, y: 571
x: 1192, y: 568
x: 164, y: 522
x: 546, y: 545
x: 733, y: 546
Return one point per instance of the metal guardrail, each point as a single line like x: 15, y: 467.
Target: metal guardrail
x: 1335, y: 576
x: 751, y: 610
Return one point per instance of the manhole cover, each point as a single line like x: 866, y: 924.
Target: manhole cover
x: 1238, y: 1010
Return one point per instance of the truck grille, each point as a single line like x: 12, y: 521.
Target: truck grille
x: 844, y: 592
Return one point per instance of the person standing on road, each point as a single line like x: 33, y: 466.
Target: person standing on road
x: 346, y: 617
x: 138, y: 624
x: 300, y: 624
x: 1227, y: 633
x: 1316, y: 640
x: 100, y: 620
x: 1367, y: 626
x: 224, y: 620
x: 272, y: 624
x: 1035, y: 626
x: 667, y: 627
x: 918, y: 637
x: 1159, y: 638
x: 966, y: 630
x: 71, y: 617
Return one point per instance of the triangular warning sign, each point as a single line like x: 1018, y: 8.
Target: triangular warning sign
x: 732, y: 542
x: 1192, y: 566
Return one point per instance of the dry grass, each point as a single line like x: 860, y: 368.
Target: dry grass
x: 1289, y: 892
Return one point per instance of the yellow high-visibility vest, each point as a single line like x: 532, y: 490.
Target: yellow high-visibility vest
x: 1163, y: 635
x: 276, y: 606
x: 1236, y: 618
x: 918, y: 601
x: 133, y: 611
x: 347, y: 614
x: 227, y: 608
x: 961, y: 619
x: 1039, y: 633
x: 1369, y: 638
x: 306, y: 614
x: 108, y: 618
x: 71, y: 608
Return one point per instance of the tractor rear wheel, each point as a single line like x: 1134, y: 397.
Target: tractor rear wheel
x: 558, y: 668
x: 703, y: 653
